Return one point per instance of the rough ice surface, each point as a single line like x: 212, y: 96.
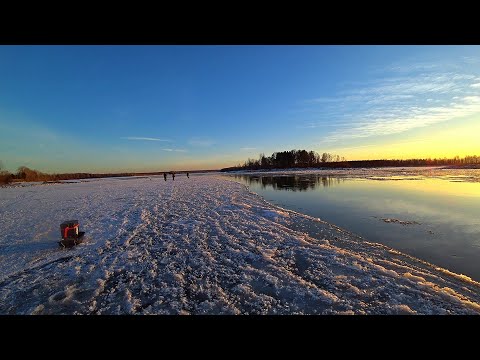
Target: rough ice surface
x: 203, y: 245
x: 401, y: 222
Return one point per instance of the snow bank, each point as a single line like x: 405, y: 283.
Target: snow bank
x: 203, y: 245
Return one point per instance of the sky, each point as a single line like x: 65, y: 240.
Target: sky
x: 160, y: 108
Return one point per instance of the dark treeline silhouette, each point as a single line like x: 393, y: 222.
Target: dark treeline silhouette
x: 309, y: 159
x: 289, y: 159
x: 26, y: 174
x: 5, y: 176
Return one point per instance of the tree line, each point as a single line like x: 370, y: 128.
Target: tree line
x: 309, y: 159
x: 288, y: 159
x: 24, y: 173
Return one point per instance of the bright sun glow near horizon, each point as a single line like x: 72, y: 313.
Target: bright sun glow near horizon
x: 157, y: 108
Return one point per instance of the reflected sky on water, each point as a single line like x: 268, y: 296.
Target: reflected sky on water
x: 441, y: 215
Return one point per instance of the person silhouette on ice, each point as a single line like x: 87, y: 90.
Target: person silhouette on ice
x: 173, y: 176
x: 165, y: 176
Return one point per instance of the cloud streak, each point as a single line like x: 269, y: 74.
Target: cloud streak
x: 175, y: 150
x: 140, y: 138
x: 201, y: 142
x: 248, y: 148
x: 395, y: 104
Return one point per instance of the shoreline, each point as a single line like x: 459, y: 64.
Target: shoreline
x: 356, y: 237
x: 326, y: 170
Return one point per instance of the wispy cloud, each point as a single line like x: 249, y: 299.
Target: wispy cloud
x: 176, y: 150
x: 140, y: 138
x: 395, y: 104
x: 471, y: 59
x: 248, y: 148
x: 201, y: 142
x: 406, y: 68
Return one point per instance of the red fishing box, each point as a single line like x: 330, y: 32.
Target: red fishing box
x: 70, y: 233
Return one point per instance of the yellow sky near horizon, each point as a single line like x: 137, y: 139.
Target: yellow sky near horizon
x: 460, y: 139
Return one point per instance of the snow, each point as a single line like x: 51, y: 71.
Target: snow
x: 204, y: 245
x: 402, y: 222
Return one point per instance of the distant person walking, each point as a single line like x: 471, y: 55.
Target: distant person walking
x: 188, y: 176
x: 173, y: 176
x: 165, y: 176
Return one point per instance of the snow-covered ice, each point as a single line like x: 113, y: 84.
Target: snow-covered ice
x: 204, y: 245
x: 401, y: 222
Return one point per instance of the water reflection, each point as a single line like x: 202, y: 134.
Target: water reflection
x: 444, y: 230
x: 291, y: 183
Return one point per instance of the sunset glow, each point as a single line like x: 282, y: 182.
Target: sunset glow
x: 155, y: 108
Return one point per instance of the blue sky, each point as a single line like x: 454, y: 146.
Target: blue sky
x: 156, y: 108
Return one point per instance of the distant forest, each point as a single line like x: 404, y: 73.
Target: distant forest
x: 311, y: 159
x: 26, y: 174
